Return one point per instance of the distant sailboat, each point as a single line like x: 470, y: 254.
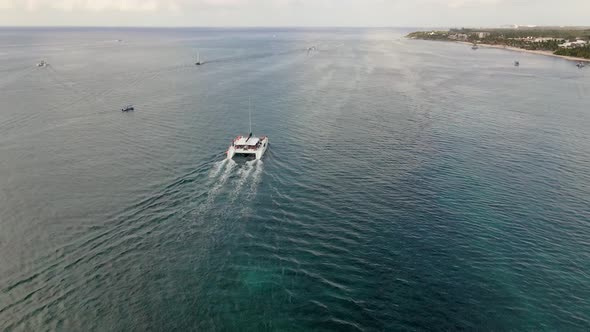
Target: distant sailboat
x: 199, y: 61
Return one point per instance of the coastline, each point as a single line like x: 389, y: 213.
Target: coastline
x: 516, y: 49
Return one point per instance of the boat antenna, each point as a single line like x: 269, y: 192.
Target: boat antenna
x: 250, y: 113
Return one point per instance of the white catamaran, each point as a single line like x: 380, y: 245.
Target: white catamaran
x: 248, y: 145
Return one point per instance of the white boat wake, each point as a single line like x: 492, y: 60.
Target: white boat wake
x: 245, y: 179
x: 218, y: 177
x: 243, y: 175
x: 251, y: 191
x: 227, y: 171
x: 256, y: 177
x: 217, y: 168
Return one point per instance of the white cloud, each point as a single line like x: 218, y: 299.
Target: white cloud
x: 293, y: 12
x: 6, y: 4
x: 150, y: 5
x: 118, y: 5
x: 153, y: 5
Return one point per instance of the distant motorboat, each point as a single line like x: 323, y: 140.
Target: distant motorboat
x: 42, y: 64
x: 128, y: 108
x: 580, y: 65
x: 474, y: 47
x: 516, y: 63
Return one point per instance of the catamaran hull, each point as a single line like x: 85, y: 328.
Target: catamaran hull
x: 258, y: 153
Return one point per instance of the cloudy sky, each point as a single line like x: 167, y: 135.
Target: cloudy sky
x: 293, y: 12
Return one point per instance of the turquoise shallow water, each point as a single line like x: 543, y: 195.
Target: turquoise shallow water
x: 409, y: 185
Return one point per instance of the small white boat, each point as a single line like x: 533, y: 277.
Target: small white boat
x: 42, y: 64
x: 248, y: 145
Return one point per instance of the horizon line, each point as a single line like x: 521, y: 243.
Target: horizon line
x: 505, y: 26
x: 211, y: 26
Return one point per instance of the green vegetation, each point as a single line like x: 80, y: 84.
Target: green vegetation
x: 430, y: 35
x: 542, y: 38
x: 579, y: 52
x: 558, y: 33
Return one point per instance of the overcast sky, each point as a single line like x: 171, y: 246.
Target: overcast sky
x: 396, y: 13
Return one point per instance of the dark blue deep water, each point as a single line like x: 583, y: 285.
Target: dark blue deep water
x: 409, y: 185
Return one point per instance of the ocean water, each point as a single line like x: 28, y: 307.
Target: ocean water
x: 409, y: 185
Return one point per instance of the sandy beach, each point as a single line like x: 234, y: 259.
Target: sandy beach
x: 516, y: 49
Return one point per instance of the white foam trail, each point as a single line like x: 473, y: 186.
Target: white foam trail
x: 256, y: 177
x: 230, y: 165
x: 243, y: 174
x: 253, y: 189
x: 217, y: 185
x: 217, y: 167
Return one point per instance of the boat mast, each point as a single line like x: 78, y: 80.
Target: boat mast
x: 250, y: 113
